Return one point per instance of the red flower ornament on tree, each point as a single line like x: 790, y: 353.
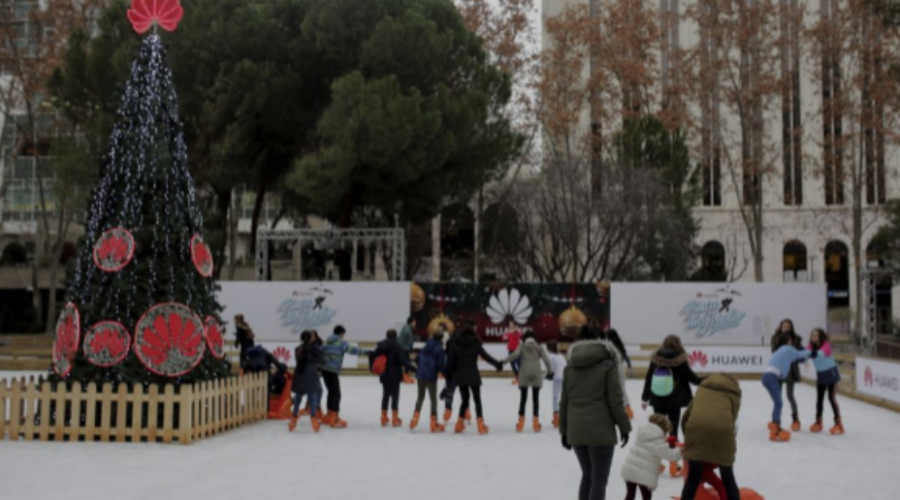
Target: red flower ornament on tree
x: 114, y: 250
x: 169, y: 339
x: 201, y: 256
x: 143, y: 14
x: 214, y: 339
x: 106, y: 343
x: 68, y: 331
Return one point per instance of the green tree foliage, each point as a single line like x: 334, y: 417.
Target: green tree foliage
x: 645, y: 142
x: 409, y: 124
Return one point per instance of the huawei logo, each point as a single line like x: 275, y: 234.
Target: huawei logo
x: 869, y: 377
x: 698, y: 357
x: 282, y: 354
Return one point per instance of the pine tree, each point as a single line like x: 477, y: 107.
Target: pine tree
x: 142, y: 285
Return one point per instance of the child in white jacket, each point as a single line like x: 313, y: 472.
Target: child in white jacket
x: 641, y: 469
x: 558, y: 362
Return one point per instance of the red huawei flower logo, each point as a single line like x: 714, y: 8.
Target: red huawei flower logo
x: 201, y: 256
x: 869, y: 377
x: 106, y: 343
x: 114, y: 250
x: 698, y: 357
x: 68, y: 331
x: 169, y: 339
x: 144, y: 13
x: 214, y: 339
x: 282, y: 354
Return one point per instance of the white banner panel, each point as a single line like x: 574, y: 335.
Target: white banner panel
x: 880, y: 379
x: 705, y: 359
x: 715, y: 313
x: 279, y: 311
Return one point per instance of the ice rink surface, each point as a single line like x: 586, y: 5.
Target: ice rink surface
x: 366, y: 461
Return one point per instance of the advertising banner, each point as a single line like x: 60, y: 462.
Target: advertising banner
x: 880, y: 379
x: 715, y: 313
x: 278, y: 311
x: 552, y: 311
x: 705, y: 359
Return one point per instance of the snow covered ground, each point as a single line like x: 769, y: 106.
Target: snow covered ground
x: 367, y: 461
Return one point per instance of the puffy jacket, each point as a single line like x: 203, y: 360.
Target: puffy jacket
x: 681, y: 373
x: 463, y: 363
x: 397, y: 361
x: 431, y: 361
x: 407, y: 338
x: 710, y: 422
x: 591, y: 405
x: 531, y: 353
x: 649, y: 448
x: 334, y: 349
x: 307, y: 379
x: 784, y: 359
x: 796, y: 342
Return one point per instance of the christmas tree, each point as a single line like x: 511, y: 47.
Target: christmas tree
x: 141, y: 303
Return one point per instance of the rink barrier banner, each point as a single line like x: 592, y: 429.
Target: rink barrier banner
x: 880, y: 379
x: 552, y: 311
x: 715, y: 313
x: 39, y: 410
x: 278, y: 311
x: 725, y: 359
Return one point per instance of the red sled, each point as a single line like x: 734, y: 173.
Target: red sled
x: 280, y: 404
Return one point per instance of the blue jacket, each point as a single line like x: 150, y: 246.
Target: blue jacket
x: 825, y: 359
x: 784, y: 356
x: 334, y: 349
x: 431, y: 361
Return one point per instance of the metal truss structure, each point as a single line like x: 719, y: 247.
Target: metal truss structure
x: 870, y: 278
x: 395, y: 237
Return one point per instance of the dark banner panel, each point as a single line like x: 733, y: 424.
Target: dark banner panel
x: 553, y: 311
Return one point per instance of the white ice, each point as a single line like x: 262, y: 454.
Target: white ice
x: 366, y: 461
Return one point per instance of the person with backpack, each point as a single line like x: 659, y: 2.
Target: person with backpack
x: 591, y: 409
x: 429, y: 363
x: 463, y: 365
x: 390, y: 362
x: 334, y: 350
x: 530, y: 354
x: 307, y: 381
x: 613, y: 336
x: 667, y: 386
x: 786, y: 331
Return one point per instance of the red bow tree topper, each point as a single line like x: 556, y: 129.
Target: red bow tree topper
x: 68, y: 331
x: 143, y: 14
x: 169, y: 339
x: 106, y: 343
x: 214, y: 339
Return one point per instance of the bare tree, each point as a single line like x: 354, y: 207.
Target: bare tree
x: 858, y: 108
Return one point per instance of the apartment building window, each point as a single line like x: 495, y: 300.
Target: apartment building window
x: 791, y: 125
x: 711, y: 160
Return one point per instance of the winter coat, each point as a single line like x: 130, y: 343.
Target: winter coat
x: 710, y: 422
x: 431, y: 361
x: 649, y: 448
x: 559, y: 365
x: 681, y: 373
x: 463, y: 363
x: 258, y: 359
x: 407, y: 338
x: 335, y: 348
x: 784, y: 358
x: 827, y: 371
x: 795, y: 342
x: 397, y: 361
x: 591, y: 405
x: 531, y: 353
x: 307, y: 379
x: 513, y: 340
x: 242, y: 338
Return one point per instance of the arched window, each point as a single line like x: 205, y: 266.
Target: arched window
x: 712, y: 262
x: 837, y: 274
x: 795, y: 262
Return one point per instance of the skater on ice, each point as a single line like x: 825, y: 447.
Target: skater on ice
x: 431, y: 361
x: 334, y: 350
x: 652, y: 445
x: 780, y: 365
x: 391, y: 363
x: 558, y: 361
x: 827, y: 378
x: 530, y: 354
x: 791, y: 338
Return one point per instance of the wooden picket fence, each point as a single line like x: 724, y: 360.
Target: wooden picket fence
x: 39, y: 410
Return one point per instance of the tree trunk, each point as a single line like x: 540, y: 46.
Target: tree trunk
x: 233, y: 217
x: 257, y: 210
x: 856, y: 243
x: 479, y: 232
x: 58, y: 250
x: 223, y: 202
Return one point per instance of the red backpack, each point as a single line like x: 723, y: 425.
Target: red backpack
x: 379, y: 365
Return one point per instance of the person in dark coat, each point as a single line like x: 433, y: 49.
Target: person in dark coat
x: 431, y: 362
x: 257, y: 360
x: 791, y: 338
x: 672, y: 356
x: 450, y: 384
x: 244, y: 337
x: 463, y: 366
x: 307, y: 379
x: 396, y: 366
